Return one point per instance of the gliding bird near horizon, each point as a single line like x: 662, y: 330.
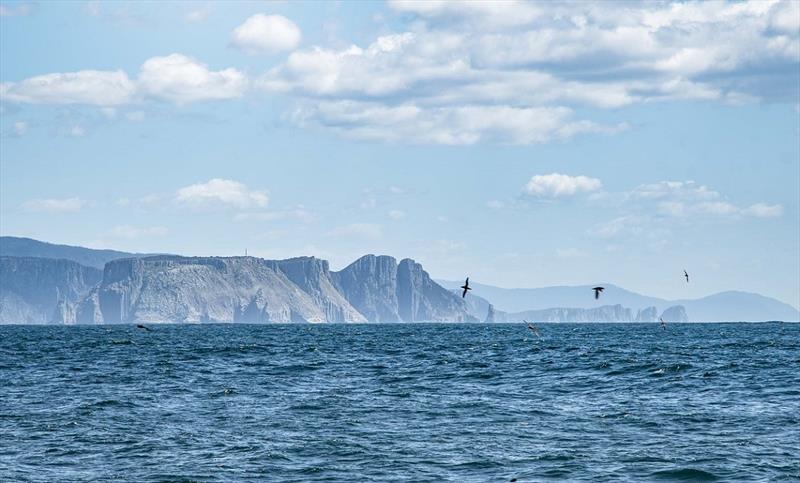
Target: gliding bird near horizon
x: 686, y: 274
x: 465, y: 287
x: 597, y: 291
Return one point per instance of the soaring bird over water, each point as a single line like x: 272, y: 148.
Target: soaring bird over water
x: 663, y: 324
x: 465, y: 287
x: 686, y: 274
x: 140, y: 326
x: 597, y: 291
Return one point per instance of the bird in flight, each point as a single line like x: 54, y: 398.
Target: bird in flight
x: 140, y: 326
x: 465, y: 287
x: 532, y: 328
x: 663, y: 324
x: 597, y: 291
x: 686, y: 274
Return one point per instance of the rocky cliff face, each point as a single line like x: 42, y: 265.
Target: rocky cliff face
x: 235, y: 289
x: 606, y: 313
x: 385, y: 291
x: 42, y: 290
x: 676, y: 313
x: 649, y: 314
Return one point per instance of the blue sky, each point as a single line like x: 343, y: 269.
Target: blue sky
x: 523, y: 144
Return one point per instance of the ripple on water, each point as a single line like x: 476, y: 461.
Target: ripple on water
x: 438, y: 402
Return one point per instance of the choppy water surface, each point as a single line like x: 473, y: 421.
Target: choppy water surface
x: 400, y: 402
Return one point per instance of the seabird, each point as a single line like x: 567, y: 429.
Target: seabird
x: 140, y: 326
x: 465, y: 287
x: 532, y: 328
x: 597, y: 291
x: 663, y: 324
x: 686, y: 274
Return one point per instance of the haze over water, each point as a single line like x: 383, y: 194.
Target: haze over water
x: 400, y: 402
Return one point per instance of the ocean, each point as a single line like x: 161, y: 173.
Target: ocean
x: 400, y: 402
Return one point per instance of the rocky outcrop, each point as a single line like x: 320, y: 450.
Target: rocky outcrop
x: 386, y: 291
x: 648, y: 314
x: 676, y: 313
x: 42, y: 290
x: 606, y: 313
x: 215, y: 289
x: 370, y: 285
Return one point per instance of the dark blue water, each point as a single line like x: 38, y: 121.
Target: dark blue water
x: 400, y: 402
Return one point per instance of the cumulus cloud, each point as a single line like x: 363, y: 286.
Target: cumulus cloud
x: 180, y: 79
x: 558, y: 185
x: 93, y: 87
x: 409, y: 123
x: 266, y: 34
x: 54, y: 205
x: 520, y: 57
x: 176, y: 78
x: 654, y: 207
x: 222, y: 192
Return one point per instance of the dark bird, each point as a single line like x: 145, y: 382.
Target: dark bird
x: 686, y: 274
x: 663, y: 324
x: 532, y: 328
x: 597, y: 291
x: 140, y: 326
x: 465, y: 287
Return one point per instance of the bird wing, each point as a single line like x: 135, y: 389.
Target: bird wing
x: 464, y: 293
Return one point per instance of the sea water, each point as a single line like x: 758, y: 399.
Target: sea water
x: 421, y: 402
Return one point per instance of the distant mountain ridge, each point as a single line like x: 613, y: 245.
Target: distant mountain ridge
x: 731, y: 306
x: 12, y: 246
x: 171, y: 288
x: 47, y: 283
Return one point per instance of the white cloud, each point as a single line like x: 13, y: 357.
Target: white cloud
x: 54, y: 205
x: 556, y: 185
x: 464, y: 125
x: 653, y: 208
x: 397, y: 214
x: 93, y: 87
x: 130, y: 232
x: 763, y: 210
x: 368, y: 231
x: 495, y: 56
x: 176, y: 78
x: 77, y: 131
x: 222, y: 192
x: 266, y: 34
x: 180, y: 79
x: 687, y: 198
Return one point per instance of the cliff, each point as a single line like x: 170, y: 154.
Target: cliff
x: 42, y: 290
x: 212, y: 289
x: 385, y: 291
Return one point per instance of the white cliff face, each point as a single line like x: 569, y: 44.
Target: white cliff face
x: 385, y: 291
x: 42, y: 290
x: 606, y: 313
x: 676, y: 313
x: 236, y: 289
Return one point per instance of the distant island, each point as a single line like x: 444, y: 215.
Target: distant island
x: 43, y: 283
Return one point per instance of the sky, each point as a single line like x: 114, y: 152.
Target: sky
x: 521, y: 144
